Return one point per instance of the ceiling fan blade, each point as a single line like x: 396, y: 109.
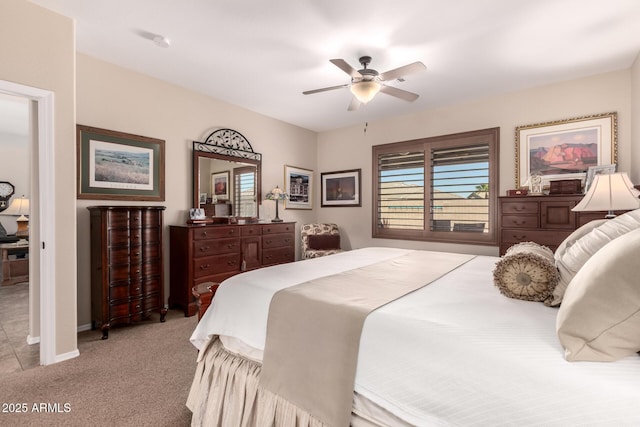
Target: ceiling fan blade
x: 342, y: 64
x: 399, y: 93
x: 402, y: 71
x: 324, y: 89
x: 354, y: 105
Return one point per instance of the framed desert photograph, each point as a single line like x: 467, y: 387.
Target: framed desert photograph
x: 114, y: 165
x: 220, y: 185
x: 565, y: 149
x: 340, y: 188
x: 298, y: 184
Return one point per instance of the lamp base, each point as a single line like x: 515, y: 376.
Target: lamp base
x: 276, y: 220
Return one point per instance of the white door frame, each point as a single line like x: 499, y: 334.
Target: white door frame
x: 46, y: 214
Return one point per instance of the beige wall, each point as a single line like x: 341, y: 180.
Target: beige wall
x: 350, y: 148
x: 635, y: 121
x: 38, y: 50
x: 115, y: 98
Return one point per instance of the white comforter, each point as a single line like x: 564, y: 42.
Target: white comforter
x: 455, y: 352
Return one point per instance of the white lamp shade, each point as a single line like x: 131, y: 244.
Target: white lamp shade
x: 609, y: 192
x: 18, y: 207
x: 365, y: 90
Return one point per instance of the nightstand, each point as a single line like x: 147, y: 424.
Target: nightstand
x: 203, y: 294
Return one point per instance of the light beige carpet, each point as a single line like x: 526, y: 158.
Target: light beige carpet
x: 140, y: 376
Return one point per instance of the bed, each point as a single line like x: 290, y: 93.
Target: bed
x: 455, y: 352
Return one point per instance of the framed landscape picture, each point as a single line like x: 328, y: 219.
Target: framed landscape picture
x: 565, y: 149
x: 298, y: 184
x: 340, y: 188
x: 220, y: 185
x: 119, y: 166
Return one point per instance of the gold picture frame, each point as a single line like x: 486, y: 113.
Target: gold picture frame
x: 565, y: 149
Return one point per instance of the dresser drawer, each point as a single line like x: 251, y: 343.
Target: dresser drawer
x: 202, y: 248
x: 543, y: 237
x: 519, y: 221
x: 277, y: 228
x: 277, y: 256
x: 118, y: 255
x: 216, y: 264
x: 277, y: 240
x: 214, y: 232
x: 250, y: 230
x: 519, y: 207
x: 118, y: 237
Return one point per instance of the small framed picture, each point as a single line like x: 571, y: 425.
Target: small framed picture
x: 340, y: 188
x: 203, y: 198
x: 196, y: 213
x: 220, y: 185
x: 597, y: 170
x: 299, y: 186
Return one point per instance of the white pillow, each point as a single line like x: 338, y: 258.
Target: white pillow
x: 578, y: 233
x: 574, y: 256
x: 599, y: 319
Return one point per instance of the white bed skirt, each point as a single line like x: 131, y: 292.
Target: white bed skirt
x: 225, y: 392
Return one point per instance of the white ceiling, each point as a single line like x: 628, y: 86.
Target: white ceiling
x: 262, y: 55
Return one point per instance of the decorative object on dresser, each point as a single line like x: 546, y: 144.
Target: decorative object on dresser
x: 127, y: 274
x: 546, y: 220
x: 610, y: 192
x: 565, y: 186
x: 212, y: 253
x: 119, y: 166
x: 276, y: 194
x: 597, y: 170
x: 564, y: 149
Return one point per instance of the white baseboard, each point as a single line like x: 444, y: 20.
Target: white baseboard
x: 82, y: 328
x: 32, y: 340
x: 67, y: 356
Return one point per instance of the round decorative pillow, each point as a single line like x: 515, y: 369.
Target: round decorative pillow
x: 527, y: 272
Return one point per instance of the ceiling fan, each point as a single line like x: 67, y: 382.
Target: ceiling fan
x: 367, y: 82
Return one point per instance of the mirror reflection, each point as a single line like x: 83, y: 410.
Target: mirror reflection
x: 226, y: 187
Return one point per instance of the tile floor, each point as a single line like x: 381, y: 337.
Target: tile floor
x: 15, y: 353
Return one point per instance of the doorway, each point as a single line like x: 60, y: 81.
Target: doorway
x: 42, y: 319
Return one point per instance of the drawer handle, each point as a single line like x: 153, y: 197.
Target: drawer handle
x: 286, y: 240
x: 268, y: 242
x: 204, y: 249
x: 516, y: 222
x: 204, y: 266
x: 137, y: 305
x: 230, y: 263
x: 231, y: 246
x: 520, y: 237
x: 137, y: 253
x: 203, y: 234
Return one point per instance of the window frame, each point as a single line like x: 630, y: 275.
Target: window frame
x: 491, y: 137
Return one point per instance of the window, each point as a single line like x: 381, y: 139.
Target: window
x: 440, y: 189
x: 244, y: 194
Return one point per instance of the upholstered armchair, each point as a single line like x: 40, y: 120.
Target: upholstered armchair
x: 319, y: 240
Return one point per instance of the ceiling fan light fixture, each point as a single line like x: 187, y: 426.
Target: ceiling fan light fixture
x: 365, y: 91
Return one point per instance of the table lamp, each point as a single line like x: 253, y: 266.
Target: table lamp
x: 610, y: 192
x: 276, y: 194
x: 19, y: 207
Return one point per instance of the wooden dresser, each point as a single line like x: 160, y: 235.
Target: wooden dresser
x: 212, y: 253
x: 127, y: 275
x: 546, y: 220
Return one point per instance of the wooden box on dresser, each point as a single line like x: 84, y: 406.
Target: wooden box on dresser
x: 546, y: 220
x: 127, y: 274
x: 212, y: 253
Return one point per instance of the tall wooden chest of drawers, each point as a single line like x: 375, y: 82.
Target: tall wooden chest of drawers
x: 546, y: 220
x: 212, y: 253
x: 127, y: 274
